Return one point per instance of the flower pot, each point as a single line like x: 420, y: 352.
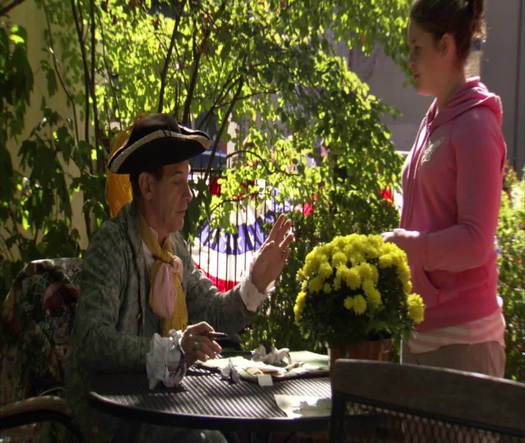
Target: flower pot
x: 365, y: 350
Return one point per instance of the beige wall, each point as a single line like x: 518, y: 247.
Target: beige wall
x: 33, y: 20
x: 503, y: 70
x: 388, y: 82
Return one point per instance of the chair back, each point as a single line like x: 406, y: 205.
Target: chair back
x: 36, y: 320
x: 385, y: 401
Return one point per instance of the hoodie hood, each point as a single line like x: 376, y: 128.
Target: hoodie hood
x: 473, y: 93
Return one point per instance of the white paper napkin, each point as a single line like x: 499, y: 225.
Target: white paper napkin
x: 303, y: 406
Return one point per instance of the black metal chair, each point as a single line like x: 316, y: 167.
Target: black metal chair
x: 376, y: 401
x: 25, y: 413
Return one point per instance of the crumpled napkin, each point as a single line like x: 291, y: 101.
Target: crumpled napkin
x: 164, y: 361
x: 303, y: 406
x: 230, y: 373
x: 275, y: 356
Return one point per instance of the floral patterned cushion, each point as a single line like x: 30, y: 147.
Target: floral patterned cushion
x: 35, y: 322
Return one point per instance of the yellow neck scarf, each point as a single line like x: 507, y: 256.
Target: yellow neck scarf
x: 166, y: 298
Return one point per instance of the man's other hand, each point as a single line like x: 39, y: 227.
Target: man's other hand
x: 272, y: 255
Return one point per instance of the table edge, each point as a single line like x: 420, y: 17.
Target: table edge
x: 277, y: 424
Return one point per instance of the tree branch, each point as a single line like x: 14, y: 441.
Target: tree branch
x: 81, y: 41
x: 264, y: 163
x: 5, y: 9
x: 100, y: 160
x: 59, y: 75
x: 110, y: 79
x: 85, y: 67
x: 244, y: 97
x: 193, y: 83
x: 197, y: 57
x: 225, y: 122
x: 168, y: 59
x: 226, y: 88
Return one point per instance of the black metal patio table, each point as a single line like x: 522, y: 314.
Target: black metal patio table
x: 205, y: 401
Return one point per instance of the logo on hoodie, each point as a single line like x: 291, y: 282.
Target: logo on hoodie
x: 430, y: 149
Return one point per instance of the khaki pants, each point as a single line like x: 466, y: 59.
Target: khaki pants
x: 486, y: 358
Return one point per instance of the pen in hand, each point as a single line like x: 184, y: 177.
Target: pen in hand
x: 216, y: 335
x: 213, y: 335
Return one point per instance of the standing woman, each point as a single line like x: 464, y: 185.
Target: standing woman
x: 452, y: 181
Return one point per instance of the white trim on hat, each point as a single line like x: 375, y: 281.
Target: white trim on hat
x: 193, y: 135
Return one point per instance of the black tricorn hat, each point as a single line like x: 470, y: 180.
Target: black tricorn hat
x: 155, y: 141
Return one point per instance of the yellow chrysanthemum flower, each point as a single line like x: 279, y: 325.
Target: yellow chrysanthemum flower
x: 339, y: 258
x: 386, y: 261
x: 348, y: 250
x: 389, y: 247
x: 376, y: 241
x: 297, y: 314
x: 325, y: 270
x: 350, y: 269
x: 327, y: 289
x: 339, y: 242
x: 310, y: 267
x: 304, y: 286
x: 301, y: 299
x: 353, y: 278
x: 367, y: 271
x: 416, y: 308
x: 357, y: 258
x: 323, y: 257
x: 371, y: 292
x: 403, y: 270
x: 372, y: 252
x: 349, y: 276
x: 310, y: 256
x: 325, y: 249
x: 341, y: 271
x: 315, y: 285
x: 359, y: 304
x: 299, y: 305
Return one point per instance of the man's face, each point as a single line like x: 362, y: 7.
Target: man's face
x: 169, y: 198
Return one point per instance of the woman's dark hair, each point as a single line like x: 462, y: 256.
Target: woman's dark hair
x: 464, y: 19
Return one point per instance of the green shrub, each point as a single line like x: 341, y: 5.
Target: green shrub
x: 511, y: 261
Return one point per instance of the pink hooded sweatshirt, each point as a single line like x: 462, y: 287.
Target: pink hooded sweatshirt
x: 452, y: 182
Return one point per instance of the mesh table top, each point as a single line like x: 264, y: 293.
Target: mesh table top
x: 205, y: 401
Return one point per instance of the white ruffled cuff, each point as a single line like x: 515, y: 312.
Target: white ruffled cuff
x: 249, y: 293
x: 251, y: 297
x: 165, y: 362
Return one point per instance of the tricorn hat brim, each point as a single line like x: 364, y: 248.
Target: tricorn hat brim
x: 155, y: 141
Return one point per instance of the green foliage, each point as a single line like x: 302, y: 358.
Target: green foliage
x: 266, y: 72
x: 16, y: 83
x: 511, y: 262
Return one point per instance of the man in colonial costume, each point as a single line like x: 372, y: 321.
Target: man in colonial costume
x: 143, y: 305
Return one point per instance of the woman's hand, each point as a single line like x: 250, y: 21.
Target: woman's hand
x: 408, y: 241
x: 196, y: 343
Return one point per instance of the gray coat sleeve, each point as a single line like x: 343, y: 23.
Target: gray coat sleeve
x: 226, y: 312
x: 107, y: 319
